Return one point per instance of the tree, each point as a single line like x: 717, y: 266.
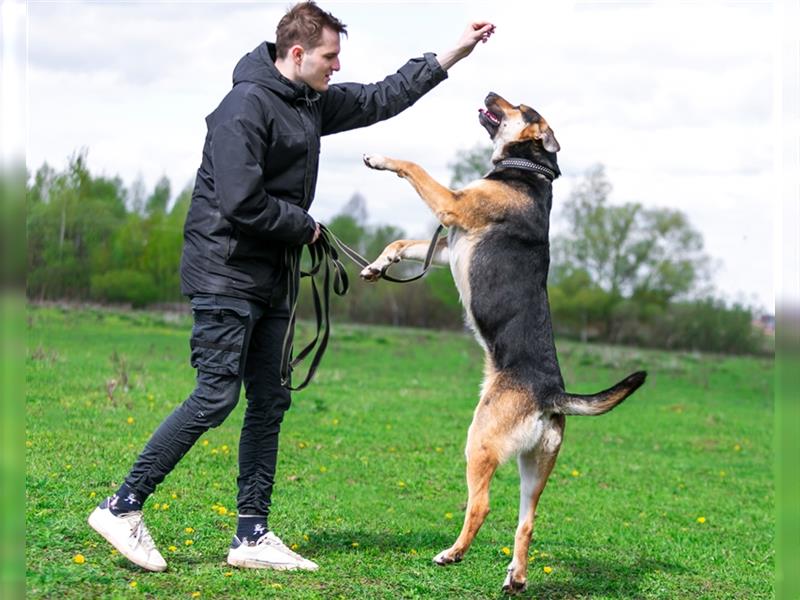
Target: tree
x: 158, y: 201
x: 650, y: 255
x: 470, y: 165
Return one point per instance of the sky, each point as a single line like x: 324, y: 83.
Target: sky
x: 681, y: 102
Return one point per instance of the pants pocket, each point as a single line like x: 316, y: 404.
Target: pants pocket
x: 217, y: 342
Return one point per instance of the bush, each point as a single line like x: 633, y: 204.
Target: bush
x: 128, y: 286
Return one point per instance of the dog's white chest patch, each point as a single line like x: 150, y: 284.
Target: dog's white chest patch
x: 461, y: 245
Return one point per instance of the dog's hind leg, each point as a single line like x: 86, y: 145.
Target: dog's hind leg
x: 405, y: 250
x: 535, y: 466
x: 482, y: 462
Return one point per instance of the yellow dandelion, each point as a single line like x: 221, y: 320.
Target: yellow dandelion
x: 547, y: 570
x: 225, y: 447
x: 276, y: 586
x: 93, y: 494
x: 195, y: 594
x: 228, y: 573
x: 354, y: 544
x: 205, y: 442
x: 150, y: 397
x: 302, y: 445
x: 448, y: 515
x: 335, y: 422
x: 79, y: 559
x: 164, y: 506
x: 575, y: 473
x: 737, y: 448
x: 701, y: 520
x: 133, y: 584
x: 156, y: 506
x: 295, y: 546
x: 506, y: 550
x: 189, y: 530
x: 189, y: 542
x: 439, y: 449
x: 401, y: 484
x: 28, y: 444
x: 412, y: 552
x: 305, y: 537
x: 173, y: 548
x: 130, y: 420
x: 214, y: 451
x: 222, y: 511
x: 174, y: 496
x: 114, y: 552
x: 323, y: 469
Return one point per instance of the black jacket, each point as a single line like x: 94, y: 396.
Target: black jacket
x: 259, y: 170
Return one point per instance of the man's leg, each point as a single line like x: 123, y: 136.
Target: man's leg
x: 267, y: 401
x: 220, y: 335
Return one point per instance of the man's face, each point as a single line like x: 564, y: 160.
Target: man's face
x: 318, y: 64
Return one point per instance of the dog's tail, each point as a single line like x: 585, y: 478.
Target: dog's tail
x: 602, y: 402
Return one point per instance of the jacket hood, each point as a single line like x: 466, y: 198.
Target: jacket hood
x: 259, y: 67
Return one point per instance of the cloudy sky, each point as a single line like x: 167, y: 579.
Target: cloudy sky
x: 679, y: 101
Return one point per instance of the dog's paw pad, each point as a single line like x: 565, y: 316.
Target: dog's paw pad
x: 511, y: 586
x: 370, y: 273
x: 444, y: 558
x: 375, y: 161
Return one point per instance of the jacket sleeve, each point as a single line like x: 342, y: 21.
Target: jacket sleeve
x: 238, y: 151
x: 351, y: 105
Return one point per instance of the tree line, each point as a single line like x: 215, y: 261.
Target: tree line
x: 619, y: 273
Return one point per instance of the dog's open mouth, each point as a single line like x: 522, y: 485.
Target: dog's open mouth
x: 489, y: 120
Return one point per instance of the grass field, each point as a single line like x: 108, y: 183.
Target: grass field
x: 669, y: 496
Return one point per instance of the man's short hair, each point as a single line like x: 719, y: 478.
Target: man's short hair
x: 303, y: 24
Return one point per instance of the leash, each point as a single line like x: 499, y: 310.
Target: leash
x: 325, y: 262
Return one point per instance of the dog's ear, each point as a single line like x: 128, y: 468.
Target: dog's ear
x: 548, y: 138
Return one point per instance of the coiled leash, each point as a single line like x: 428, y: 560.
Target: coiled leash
x: 324, y: 259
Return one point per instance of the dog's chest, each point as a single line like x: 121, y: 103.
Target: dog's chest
x: 461, y: 245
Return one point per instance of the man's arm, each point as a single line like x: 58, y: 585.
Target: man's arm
x: 348, y: 106
x: 480, y: 31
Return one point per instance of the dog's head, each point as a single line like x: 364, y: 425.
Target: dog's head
x: 509, y: 125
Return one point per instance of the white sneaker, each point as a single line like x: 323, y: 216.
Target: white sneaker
x: 128, y: 534
x: 268, y: 552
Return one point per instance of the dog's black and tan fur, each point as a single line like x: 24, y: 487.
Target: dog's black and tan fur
x: 498, y: 249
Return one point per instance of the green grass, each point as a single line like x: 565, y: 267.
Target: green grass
x: 370, y: 477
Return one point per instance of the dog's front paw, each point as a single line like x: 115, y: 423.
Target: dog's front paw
x: 370, y: 273
x: 447, y: 557
x: 376, y: 161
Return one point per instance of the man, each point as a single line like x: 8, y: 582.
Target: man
x: 248, y: 213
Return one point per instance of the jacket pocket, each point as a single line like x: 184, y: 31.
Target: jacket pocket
x: 217, y: 342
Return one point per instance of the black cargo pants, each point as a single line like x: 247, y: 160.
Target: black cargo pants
x: 233, y: 340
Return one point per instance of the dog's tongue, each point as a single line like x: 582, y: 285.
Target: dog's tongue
x: 489, y: 116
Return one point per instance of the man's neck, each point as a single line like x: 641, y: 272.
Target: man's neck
x: 287, y: 68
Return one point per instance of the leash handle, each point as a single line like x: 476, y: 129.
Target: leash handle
x: 324, y: 259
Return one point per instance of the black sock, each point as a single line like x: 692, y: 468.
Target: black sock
x: 125, y: 501
x: 251, y: 527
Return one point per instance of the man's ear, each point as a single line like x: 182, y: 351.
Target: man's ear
x: 296, y: 52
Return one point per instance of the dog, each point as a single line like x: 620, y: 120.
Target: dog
x: 497, y: 247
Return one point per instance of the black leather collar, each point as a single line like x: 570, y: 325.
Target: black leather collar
x: 525, y: 165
